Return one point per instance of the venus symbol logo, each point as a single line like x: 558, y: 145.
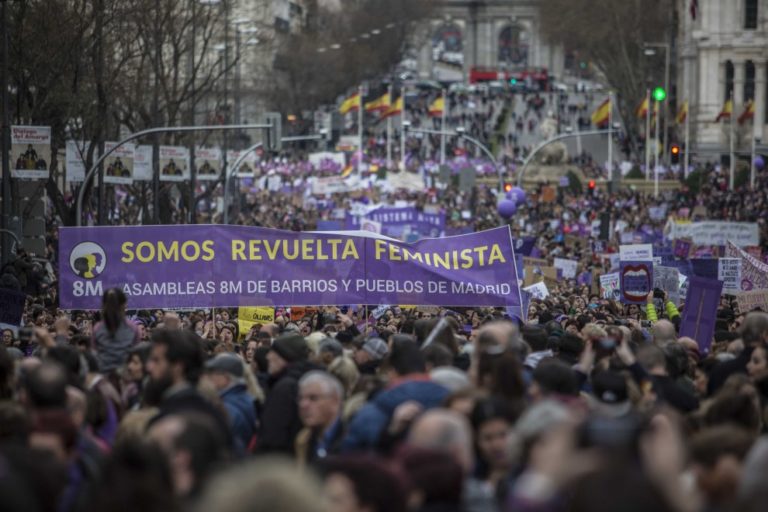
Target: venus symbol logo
x: 87, y: 260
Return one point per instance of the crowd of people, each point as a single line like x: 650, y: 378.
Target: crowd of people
x: 583, y: 404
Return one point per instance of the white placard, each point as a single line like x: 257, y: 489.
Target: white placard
x: 610, y: 286
x: 729, y: 272
x: 636, y: 252
x: 538, y: 290
x: 30, y: 152
x: 208, y: 163
x: 76, y: 153
x: 142, y: 163
x: 569, y: 267
x: 118, y: 166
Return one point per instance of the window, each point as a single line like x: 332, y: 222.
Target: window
x: 750, y: 14
x: 728, y: 79
x: 749, y: 80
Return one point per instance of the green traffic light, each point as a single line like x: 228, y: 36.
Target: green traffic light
x: 513, y: 81
x: 659, y: 94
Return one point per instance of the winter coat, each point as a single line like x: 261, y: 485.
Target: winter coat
x: 241, y: 413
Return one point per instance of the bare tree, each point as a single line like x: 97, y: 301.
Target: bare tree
x: 611, y: 35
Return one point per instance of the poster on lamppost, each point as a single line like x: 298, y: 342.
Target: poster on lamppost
x: 118, y: 165
x: 30, y: 152
x: 142, y: 163
x: 75, y: 157
x: 208, y: 163
x: 247, y: 166
x: 174, y: 163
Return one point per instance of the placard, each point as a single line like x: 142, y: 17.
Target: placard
x: 610, y: 286
x: 700, y: 313
x: 568, y: 267
x: 30, y: 152
x: 248, y: 316
x: 636, y: 281
x: 667, y: 279
x: 749, y: 301
x: 729, y: 272
x: 538, y: 291
x: 142, y: 163
x: 636, y: 252
x: 11, y: 306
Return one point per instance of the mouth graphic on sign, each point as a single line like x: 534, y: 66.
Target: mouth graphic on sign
x: 636, y: 283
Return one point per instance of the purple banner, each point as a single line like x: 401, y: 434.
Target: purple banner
x: 700, y: 312
x: 636, y: 278
x: 196, y: 266
x: 394, y: 221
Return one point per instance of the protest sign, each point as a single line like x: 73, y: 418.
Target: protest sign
x: 681, y: 247
x: 324, y: 160
x: 755, y: 299
x: 208, y: 163
x: 610, y: 286
x: 334, y: 185
x: 729, y: 272
x: 380, y: 311
x: 568, y: 267
x: 714, y: 232
x: 536, y: 273
x: 667, y: 279
x: 174, y: 163
x: 229, y: 266
x: 118, y: 165
x: 538, y: 290
x: 657, y: 212
x: 636, y: 252
x: 700, y: 311
x: 30, y: 152
x: 395, y: 222
x: 300, y: 312
x: 524, y: 245
x: 754, y: 273
x: 636, y: 281
x: 370, y: 225
x: 248, y: 316
x: 11, y: 306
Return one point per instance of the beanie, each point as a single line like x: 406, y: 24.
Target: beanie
x: 292, y: 347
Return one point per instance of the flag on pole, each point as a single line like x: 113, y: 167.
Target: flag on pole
x: 380, y: 104
x: 351, y: 104
x: 682, y: 114
x: 437, y: 106
x: 749, y: 112
x: 642, y: 110
x: 726, y: 112
x: 395, y: 109
x: 693, y: 8
x: 601, y: 116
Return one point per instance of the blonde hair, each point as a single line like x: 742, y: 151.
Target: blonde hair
x: 593, y: 331
x: 251, y: 383
x: 345, y: 369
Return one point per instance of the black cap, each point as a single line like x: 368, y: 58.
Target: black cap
x: 292, y: 347
x: 610, y: 388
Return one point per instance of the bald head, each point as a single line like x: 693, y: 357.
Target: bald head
x: 664, y: 333
x: 447, y: 431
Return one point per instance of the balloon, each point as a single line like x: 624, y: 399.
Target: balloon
x: 759, y: 162
x: 517, y: 195
x: 507, y: 208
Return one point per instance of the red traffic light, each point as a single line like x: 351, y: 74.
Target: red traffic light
x: 507, y: 187
x: 675, y: 149
x: 591, y: 184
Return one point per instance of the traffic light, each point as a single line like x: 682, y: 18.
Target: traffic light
x: 507, y: 187
x: 513, y: 81
x: 659, y: 94
x: 591, y: 185
x: 674, y: 153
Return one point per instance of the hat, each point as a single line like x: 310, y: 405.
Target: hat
x: 376, y: 348
x: 331, y: 345
x: 451, y: 378
x: 227, y: 363
x: 610, y: 389
x: 291, y: 346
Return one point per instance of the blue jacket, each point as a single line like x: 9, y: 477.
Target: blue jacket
x: 369, y: 423
x: 241, y: 412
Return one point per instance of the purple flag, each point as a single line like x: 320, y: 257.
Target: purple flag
x: 700, y: 311
x: 226, y: 266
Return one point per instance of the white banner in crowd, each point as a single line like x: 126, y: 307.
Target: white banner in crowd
x: 30, y: 152
x: 142, y: 163
x: 208, y: 163
x: 317, y: 159
x: 118, y: 166
x: 174, y: 163
x: 334, y: 184
x: 715, y: 232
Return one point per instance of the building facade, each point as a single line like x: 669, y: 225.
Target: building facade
x: 489, y: 34
x: 722, y: 52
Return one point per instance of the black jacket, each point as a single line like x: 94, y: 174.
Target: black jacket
x: 280, y: 420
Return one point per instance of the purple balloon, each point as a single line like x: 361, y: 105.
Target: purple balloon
x: 517, y: 195
x: 507, y: 208
x: 759, y: 162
